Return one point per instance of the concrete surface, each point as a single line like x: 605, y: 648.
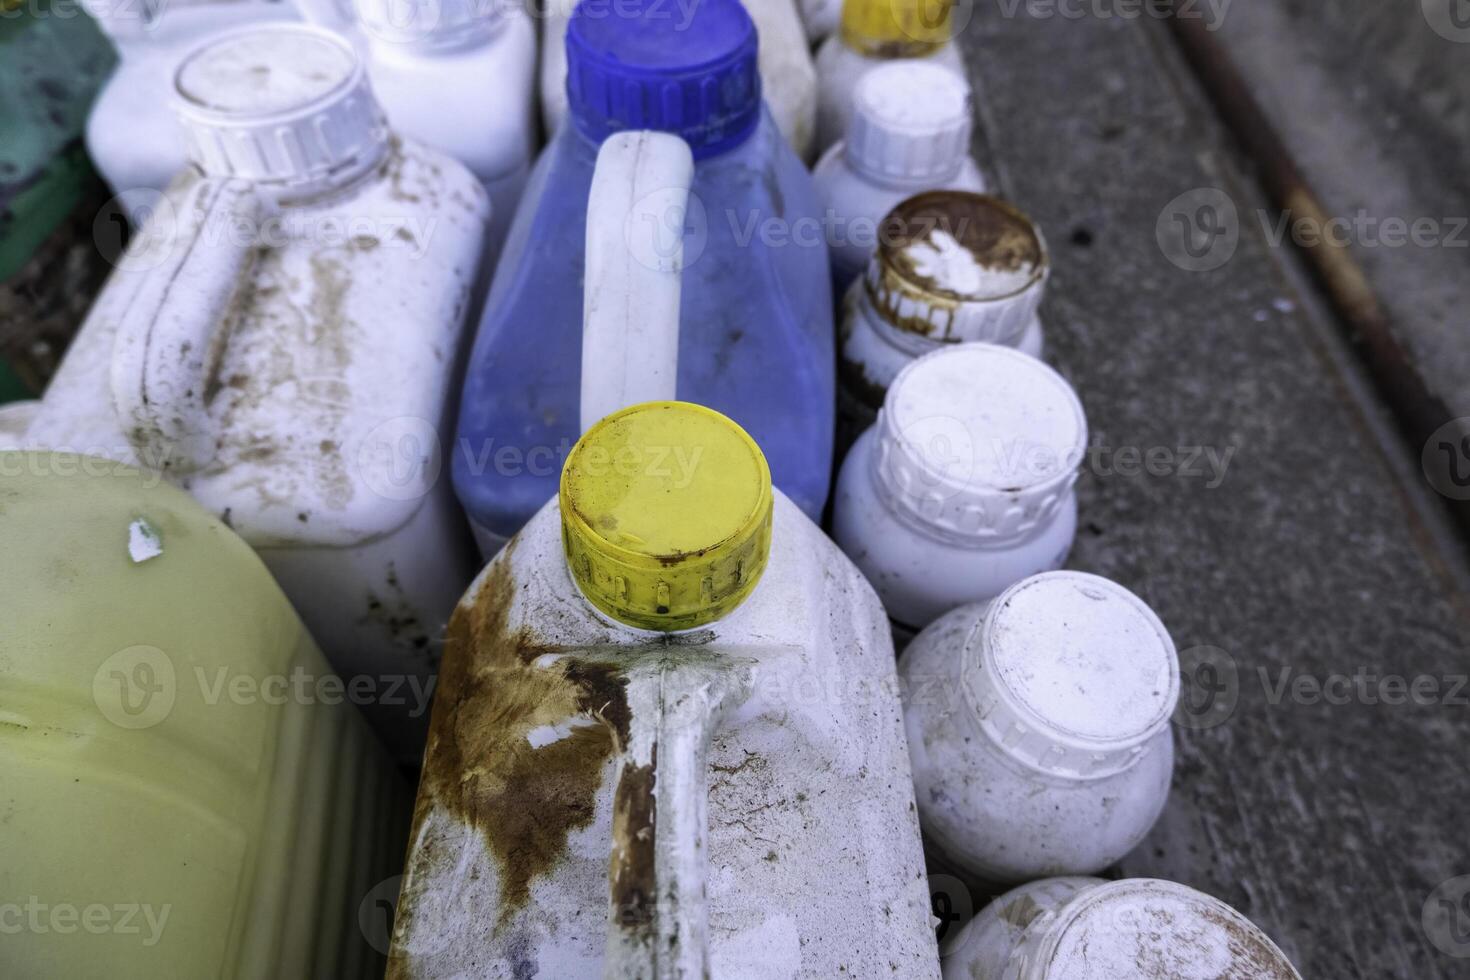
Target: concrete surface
x: 1318, y: 553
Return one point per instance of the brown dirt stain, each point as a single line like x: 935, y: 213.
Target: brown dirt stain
x: 525, y: 801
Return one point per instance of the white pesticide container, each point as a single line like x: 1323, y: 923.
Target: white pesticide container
x: 1134, y: 929
x: 281, y: 340
x: 459, y: 76
x: 667, y: 740
x: 965, y: 485
x: 951, y: 267
x: 1038, y: 726
x: 132, y: 136
x: 910, y: 133
x: 788, y: 74
x: 873, y: 33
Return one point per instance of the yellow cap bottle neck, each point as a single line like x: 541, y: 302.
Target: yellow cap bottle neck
x: 666, y: 516
x: 897, y: 28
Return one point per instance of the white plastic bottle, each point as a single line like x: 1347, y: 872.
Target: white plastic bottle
x: 820, y: 18
x: 281, y: 340
x: 1090, y: 929
x: 664, y: 700
x: 910, y: 133
x: 950, y: 267
x: 788, y: 75
x: 965, y: 484
x: 132, y: 137
x: 872, y: 33
x: 459, y: 76
x: 1038, y: 726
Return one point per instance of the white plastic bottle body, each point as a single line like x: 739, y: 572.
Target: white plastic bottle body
x: 983, y: 948
x: 475, y: 102
x: 813, y: 755
x: 131, y: 135
x: 311, y: 431
x: 920, y: 577
x: 856, y: 206
x: 840, y: 68
x: 996, y: 818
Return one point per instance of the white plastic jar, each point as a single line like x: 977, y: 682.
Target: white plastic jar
x: 951, y: 267
x: 874, y: 33
x: 132, y: 137
x: 1090, y: 929
x: 1038, y: 728
x: 459, y: 76
x: 965, y: 485
x: 910, y: 133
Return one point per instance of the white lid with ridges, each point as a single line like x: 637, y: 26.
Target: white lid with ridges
x: 284, y: 104
x: 911, y: 123
x: 1072, y: 674
x: 980, y: 442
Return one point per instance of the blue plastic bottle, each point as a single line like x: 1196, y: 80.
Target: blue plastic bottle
x: 756, y: 333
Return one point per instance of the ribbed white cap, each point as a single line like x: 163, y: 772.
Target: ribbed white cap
x: 954, y: 266
x: 979, y: 442
x: 1146, y: 929
x: 1072, y: 674
x: 429, y: 23
x: 282, y: 104
x: 910, y: 124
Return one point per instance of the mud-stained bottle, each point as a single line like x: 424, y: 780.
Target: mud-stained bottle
x: 667, y: 739
x: 281, y: 339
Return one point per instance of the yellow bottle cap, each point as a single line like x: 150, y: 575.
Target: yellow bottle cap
x: 897, y: 28
x: 666, y: 515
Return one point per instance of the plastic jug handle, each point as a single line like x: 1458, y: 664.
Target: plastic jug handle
x: 658, y: 926
x: 635, y: 263
x: 169, y: 343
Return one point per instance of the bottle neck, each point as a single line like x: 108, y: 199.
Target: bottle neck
x: 439, y: 42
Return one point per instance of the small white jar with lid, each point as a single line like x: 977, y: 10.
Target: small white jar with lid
x: 910, y: 133
x: 951, y: 267
x: 966, y: 483
x: 1038, y: 728
x: 1090, y: 929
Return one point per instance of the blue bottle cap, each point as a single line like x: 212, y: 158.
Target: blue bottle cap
x: 687, y: 69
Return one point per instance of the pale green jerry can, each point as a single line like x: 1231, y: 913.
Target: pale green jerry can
x: 185, y: 789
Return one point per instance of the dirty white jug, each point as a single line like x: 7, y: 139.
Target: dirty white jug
x: 1134, y: 929
x: 187, y: 794
x: 281, y: 340
x: 788, y: 75
x: 874, y: 33
x: 910, y: 133
x: 1038, y: 726
x: 459, y: 76
x: 951, y: 267
x: 131, y: 136
x: 965, y: 485
x: 667, y: 739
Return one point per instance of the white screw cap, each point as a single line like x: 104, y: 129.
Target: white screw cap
x: 1146, y: 929
x: 911, y: 123
x: 283, y: 104
x: 428, y: 23
x: 1072, y: 674
x: 979, y: 441
x: 953, y: 266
